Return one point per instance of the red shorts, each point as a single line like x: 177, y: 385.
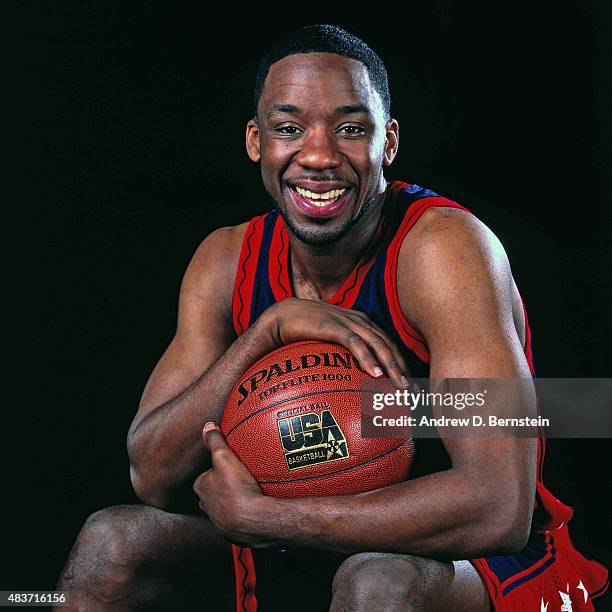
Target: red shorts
x: 549, y: 574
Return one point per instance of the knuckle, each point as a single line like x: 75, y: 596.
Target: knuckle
x: 400, y: 361
x: 221, y: 453
x: 353, y: 337
x: 327, y: 323
x: 365, y: 321
x: 366, y: 357
x: 378, y: 341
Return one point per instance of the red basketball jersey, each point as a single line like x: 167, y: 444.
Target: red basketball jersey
x: 549, y: 569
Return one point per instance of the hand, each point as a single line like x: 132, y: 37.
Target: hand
x: 228, y: 493
x: 295, y: 319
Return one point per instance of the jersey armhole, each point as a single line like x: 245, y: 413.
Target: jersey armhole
x: 411, y: 338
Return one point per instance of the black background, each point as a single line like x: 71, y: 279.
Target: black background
x: 134, y: 151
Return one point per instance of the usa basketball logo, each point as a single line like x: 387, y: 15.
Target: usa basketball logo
x: 310, y: 439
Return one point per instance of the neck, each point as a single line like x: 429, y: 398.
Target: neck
x: 318, y: 271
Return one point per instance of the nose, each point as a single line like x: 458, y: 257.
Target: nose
x: 319, y: 151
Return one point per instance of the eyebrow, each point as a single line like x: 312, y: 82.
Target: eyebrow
x: 346, y: 109
x: 283, y: 108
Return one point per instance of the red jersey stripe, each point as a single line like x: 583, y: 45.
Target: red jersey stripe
x: 244, y: 566
x: 245, y: 275
x: 278, y: 262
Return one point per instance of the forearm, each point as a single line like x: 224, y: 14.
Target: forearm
x: 165, y: 446
x: 447, y: 515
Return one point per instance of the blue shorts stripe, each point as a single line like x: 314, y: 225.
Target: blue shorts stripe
x: 529, y: 576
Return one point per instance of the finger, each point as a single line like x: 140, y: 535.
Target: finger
x: 340, y: 330
x: 391, y: 361
x: 209, y: 426
x: 370, y: 325
x: 198, y: 483
x: 362, y: 352
x: 216, y: 444
x: 398, y: 360
x: 384, y: 352
x: 376, y: 352
x: 372, y: 348
x: 373, y: 326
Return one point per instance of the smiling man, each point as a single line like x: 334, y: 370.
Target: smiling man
x: 321, y: 199
x: 410, y: 282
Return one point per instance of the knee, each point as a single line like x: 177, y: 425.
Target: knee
x: 383, y: 581
x: 374, y: 577
x: 104, y: 562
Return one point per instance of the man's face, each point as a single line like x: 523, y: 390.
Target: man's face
x: 322, y: 140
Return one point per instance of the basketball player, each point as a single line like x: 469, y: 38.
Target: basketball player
x: 414, y: 285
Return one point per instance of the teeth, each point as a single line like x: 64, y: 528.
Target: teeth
x: 317, y: 197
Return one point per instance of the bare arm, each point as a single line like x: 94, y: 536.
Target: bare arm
x: 190, y: 384
x: 457, y: 288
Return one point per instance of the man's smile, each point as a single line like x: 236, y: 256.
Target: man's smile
x: 319, y: 203
x: 325, y: 197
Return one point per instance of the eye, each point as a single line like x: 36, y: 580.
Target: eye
x: 287, y: 130
x: 351, y: 130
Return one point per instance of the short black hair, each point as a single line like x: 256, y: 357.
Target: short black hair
x: 327, y: 39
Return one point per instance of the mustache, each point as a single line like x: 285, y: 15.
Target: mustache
x: 317, y: 178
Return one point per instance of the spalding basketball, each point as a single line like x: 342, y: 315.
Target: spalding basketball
x: 294, y: 420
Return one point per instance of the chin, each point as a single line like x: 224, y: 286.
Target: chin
x: 317, y: 235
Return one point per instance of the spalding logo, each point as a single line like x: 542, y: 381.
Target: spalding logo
x: 304, y: 362
x: 311, y: 439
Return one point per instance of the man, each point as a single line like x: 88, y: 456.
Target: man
x: 412, y: 284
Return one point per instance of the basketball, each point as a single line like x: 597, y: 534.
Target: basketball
x: 294, y: 420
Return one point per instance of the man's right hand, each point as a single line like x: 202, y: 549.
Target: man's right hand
x: 204, y: 360
x: 297, y: 319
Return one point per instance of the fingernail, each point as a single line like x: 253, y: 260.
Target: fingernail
x: 404, y: 381
x: 378, y: 372
x: 209, y: 426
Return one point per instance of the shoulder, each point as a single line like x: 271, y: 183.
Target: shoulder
x: 451, y: 265
x: 219, y: 249
x: 212, y: 269
x: 450, y: 238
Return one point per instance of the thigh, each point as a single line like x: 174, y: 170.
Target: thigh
x: 467, y: 592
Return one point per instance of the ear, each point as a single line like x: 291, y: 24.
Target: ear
x: 391, y: 141
x: 253, y: 146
